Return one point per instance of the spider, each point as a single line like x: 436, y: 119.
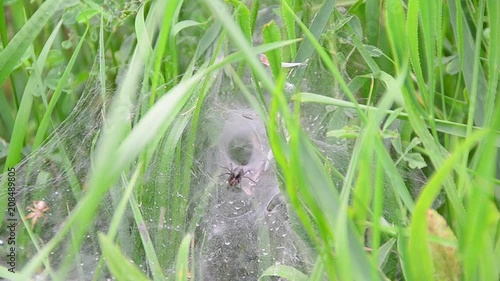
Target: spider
x: 235, y: 176
x: 39, y: 211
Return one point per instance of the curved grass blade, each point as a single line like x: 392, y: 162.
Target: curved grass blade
x: 118, y: 264
x: 182, y: 266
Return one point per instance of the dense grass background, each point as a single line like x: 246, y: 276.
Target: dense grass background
x: 420, y: 76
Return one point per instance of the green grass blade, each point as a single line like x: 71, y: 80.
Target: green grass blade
x: 168, y: 15
x: 328, y: 62
x: 237, y: 36
x: 317, y: 271
x: 482, y: 212
x: 3, y: 26
x: 244, y: 20
x: 102, y: 65
x: 306, y: 178
x: 468, y: 59
x: 372, y: 13
x: 253, y: 16
x: 116, y: 261
x: 493, y: 55
x: 13, y: 276
x: 306, y: 48
x: 420, y: 257
x: 147, y: 243
x: 6, y: 116
x: 289, y: 26
x: 394, y: 17
x: 435, y: 151
x: 182, y: 265
x: 271, y: 33
x: 46, y: 120
x: 184, y: 188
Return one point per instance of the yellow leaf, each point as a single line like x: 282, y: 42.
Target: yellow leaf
x: 444, y: 254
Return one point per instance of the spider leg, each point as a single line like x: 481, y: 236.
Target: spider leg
x: 249, y: 179
x: 225, y: 174
x: 230, y: 171
x: 34, y: 221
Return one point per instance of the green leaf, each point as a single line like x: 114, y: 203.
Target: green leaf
x: 415, y: 160
x: 383, y: 252
x: 349, y: 132
x: 392, y: 116
x: 453, y: 67
x: 66, y: 44
x: 284, y: 271
x: 86, y: 15
x: 54, y: 77
x: 55, y: 59
x: 374, y: 51
x: 396, y: 143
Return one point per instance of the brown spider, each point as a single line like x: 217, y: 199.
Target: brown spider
x: 39, y: 211
x: 235, y: 176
